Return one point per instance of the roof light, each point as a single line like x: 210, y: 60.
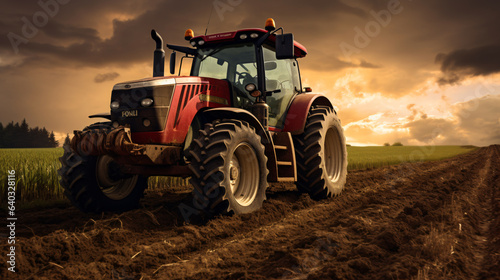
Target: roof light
x: 189, y: 34
x: 254, y: 35
x: 270, y: 25
x: 243, y: 36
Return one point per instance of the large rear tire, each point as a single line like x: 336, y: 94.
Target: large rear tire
x: 96, y: 184
x: 229, y: 168
x: 321, y: 155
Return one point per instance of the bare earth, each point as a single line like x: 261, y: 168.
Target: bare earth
x: 433, y: 220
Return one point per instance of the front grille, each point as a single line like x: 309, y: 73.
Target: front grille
x: 131, y: 112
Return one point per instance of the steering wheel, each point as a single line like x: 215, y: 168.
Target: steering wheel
x: 244, y: 76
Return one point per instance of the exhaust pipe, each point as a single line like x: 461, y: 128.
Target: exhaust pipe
x: 159, y: 55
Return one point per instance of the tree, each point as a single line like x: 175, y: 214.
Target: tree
x: 22, y: 136
x: 387, y: 144
x: 67, y: 140
x: 52, y: 140
x: 397, y: 144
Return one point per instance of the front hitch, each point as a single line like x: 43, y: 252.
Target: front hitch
x: 101, y: 142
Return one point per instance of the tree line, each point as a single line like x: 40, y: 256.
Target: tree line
x: 22, y: 136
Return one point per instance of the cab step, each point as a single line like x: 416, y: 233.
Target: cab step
x: 285, y: 157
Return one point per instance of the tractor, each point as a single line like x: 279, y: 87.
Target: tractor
x: 240, y: 120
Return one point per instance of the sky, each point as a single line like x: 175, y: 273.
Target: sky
x: 411, y: 71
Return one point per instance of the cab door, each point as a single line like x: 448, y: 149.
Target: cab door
x: 282, y: 78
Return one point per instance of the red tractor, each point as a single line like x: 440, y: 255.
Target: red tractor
x: 240, y: 120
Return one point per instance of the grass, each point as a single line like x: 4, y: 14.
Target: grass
x: 37, y: 180
x: 373, y: 157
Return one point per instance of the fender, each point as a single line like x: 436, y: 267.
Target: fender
x: 297, y: 114
x: 238, y: 114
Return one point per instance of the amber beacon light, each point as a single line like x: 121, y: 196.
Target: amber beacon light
x: 270, y: 25
x: 189, y: 34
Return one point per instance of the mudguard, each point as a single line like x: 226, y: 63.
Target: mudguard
x: 297, y: 114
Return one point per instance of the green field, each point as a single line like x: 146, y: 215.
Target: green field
x: 37, y: 179
x: 372, y: 157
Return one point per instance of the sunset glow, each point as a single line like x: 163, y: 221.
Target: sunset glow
x: 416, y: 72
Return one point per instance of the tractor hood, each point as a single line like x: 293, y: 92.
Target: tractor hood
x: 145, y: 104
x: 146, y: 82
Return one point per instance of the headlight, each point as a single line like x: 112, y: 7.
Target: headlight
x: 146, y: 102
x: 243, y: 36
x: 114, y: 105
x: 201, y: 42
x: 254, y: 35
x: 193, y: 43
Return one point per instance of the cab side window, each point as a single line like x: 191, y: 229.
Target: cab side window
x: 282, y: 77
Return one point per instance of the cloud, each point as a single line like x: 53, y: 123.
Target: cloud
x: 460, y: 64
x: 428, y: 130
x: 480, y: 119
x: 92, y: 39
x: 100, y: 78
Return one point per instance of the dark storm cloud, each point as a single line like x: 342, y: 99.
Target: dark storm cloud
x: 72, y: 34
x: 63, y: 31
x: 130, y: 41
x: 100, y: 78
x: 459, y: 64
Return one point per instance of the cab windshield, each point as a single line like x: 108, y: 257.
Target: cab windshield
x: 233, y: 63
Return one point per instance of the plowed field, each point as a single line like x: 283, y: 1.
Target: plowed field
x: 431, y: 220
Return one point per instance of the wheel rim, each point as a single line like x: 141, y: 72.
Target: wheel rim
x: 333, y: 154
x: 244, y: 174
x: 112, y: 182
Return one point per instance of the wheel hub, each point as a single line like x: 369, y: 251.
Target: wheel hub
x: 244, y: 174
x: 234, y: 173
x: 333, y: 155
x: 113, y: 184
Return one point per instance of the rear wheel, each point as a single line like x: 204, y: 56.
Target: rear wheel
x: 321, y: 154
x: 96, y: 183
x: 229, y: 168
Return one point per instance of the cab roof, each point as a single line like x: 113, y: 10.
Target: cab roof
x: 239, y: 36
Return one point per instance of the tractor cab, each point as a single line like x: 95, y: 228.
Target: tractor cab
x: 256, y: 68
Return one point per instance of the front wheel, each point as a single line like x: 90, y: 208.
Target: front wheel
x: 229, y: 168
x: 96, y: 183
x: 321, y: 154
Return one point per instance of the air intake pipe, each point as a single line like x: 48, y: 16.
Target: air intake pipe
x: 159, y: 55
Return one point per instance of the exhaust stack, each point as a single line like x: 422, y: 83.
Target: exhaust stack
x: 159, y: 55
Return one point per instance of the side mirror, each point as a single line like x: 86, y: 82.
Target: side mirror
x: 172, y: 62
x: 284, y: 46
